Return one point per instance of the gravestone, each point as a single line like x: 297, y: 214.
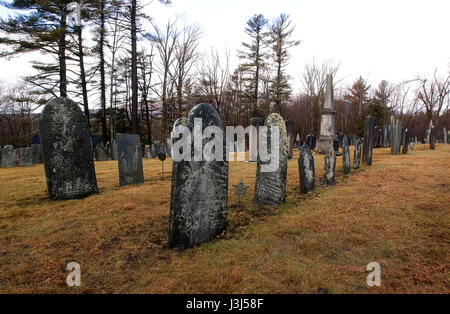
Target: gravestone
x: 357, y: 154
x: 411, y: 146
x: 270, y: 187
x: 444, y: 133
x: 148, y: 153
x: 9, y: 157
x: 310, y: 140
x: 327, y: 124
x: 290, y: 136
x: 130, y: 159
x: 396, y: 137
x: 38, y: 154
x: 405, y: 142
x: 101, y: 152
x: 198, y: 207
x: 368, y: 140
x: 345, y: 156
x: 330, y: 167
x: 433, y: 137
x: 68, y: 156
x: 336, y: 144
x: 385, y: 136
x: 306, y: 169
x: 24, y: 156
x: 155, y: 148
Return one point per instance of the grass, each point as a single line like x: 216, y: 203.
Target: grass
x: 395, y: 212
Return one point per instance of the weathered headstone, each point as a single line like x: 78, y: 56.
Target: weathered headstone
x: 38, y: 154
x: 9, y: 157
x: 198, y: 207
x: 368, y: 140
x: 405, y: 142
x: 68, y: 156
x: 432, y: 137
x: 444, y: 133
x: 329, y: 169
x: 24, y: 156
x: 327, y: 125
x: 130, y: 159
x: 411, y: 146
x: 169, y: 147
x: 396, y: 136
x: 290, y: 136
x: 306, y: 169
x: 357, y: 154
x: 345, y: 156
x: 148, y: 153
x: 114, y: 150
x: 385, y: 136
x: 256, y: 122
x: 270, y: 187
x: 101, y: 152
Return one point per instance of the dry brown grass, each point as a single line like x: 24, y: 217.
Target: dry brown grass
x: 395, y: 213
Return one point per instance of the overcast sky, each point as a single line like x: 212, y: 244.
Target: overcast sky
x: 383, y: 39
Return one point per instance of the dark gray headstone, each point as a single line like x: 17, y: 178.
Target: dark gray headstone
x: 432, y: 137
x: 329, y: 169
x: 130, y: 159
x: 345, y: 156
x: 385, y: 136
x: 368, y: 140
x: 444, y: 135
x: 169, y: 147
x: 290, y: 136
x: 24, y: 156
x: 198, y: 207
x: 405, y: 142
x: 306, y: 169
x: 101, y: 152
x: 68, y: 156
x: 38, y: 153
x: 357, y: 154
x: 396, y: 136
x: 270, y: 187
x: 9, y: 157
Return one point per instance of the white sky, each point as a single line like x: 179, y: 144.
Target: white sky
x: 378, y: 39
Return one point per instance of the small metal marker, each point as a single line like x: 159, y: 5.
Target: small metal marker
x: 239, y: 190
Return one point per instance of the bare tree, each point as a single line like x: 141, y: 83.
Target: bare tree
x: 434, y: 95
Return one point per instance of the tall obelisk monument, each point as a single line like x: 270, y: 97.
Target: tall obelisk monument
x: 328, y: 123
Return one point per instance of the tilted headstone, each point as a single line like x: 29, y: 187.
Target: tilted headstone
x: 345, y: 156
x: 270, y: 187
x: 329, y: 169
x: 38, y: 154
x: 328, y: 122
x: 290, y: 136
x: 24, y: 156
x: 432, y: 137
x: 130, y: 159
x: 101, y: 152
x: 357, y: 154
x: 9, y: 157
x: 405, y: 142
x: 368, y: 140
x: 198, y: 206
x: 306, y: 169
x: 68, y: 156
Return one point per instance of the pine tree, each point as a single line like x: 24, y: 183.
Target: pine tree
x: 39, y: 26
x: 254, y: 56
x: 280, y: 43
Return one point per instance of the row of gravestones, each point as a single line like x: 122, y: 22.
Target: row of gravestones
x: 199, y: 189
x: 111, y: 151
x: 22, y: 156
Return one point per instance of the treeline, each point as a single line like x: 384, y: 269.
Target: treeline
x: 143, y: 75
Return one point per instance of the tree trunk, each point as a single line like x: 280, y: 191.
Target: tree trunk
x: 62, y: 55
x: 134, y: 80
x: 102, y: 72
x: 83, y: 74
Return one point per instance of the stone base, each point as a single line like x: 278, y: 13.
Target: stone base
x: 323, y: 143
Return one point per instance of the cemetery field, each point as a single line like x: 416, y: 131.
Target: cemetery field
x: 396, y: 213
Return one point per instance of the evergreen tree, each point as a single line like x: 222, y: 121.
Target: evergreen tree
x: 39, y: 26
x: 254, y: 56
